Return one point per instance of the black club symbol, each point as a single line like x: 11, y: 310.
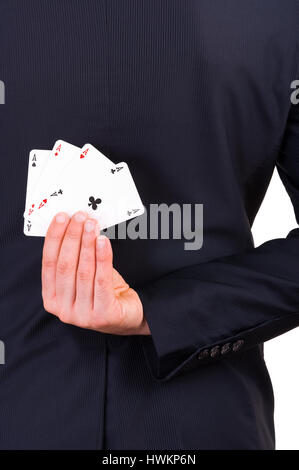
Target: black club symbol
x: 94, y: 202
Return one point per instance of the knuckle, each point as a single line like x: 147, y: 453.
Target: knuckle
x: 72, y: 233
x: 84, y: 275
x: 104, y: 257
x: 64, y: 317
x: 102, y: 282
x: 87, y: 257
x: 86, y: 243
x: 88, y: 239
x: 49, y: 263
x: 64, y: 268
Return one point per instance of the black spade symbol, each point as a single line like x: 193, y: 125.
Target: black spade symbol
x: 94, y: 202
x: 33, y: 164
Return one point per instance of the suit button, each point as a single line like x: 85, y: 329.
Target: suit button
x: 203, y: 354
x: 215, y: 351
x: 225, y: 348
x: 238, y: 345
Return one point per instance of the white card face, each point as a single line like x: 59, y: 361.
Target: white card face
x: 61, y: 154
x: 37, y: 162
x: 34, y: 227
x: 85, y: 163
x: 74, y: 161
x: 110, y: 196
x: 90, y: 152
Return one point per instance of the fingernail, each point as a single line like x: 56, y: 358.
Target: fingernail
x: 89, y: 226
x: 80, y: 217
x: 101, y: 241
x: 60, y: 218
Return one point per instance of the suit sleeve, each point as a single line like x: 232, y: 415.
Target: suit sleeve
x: 212, y: 310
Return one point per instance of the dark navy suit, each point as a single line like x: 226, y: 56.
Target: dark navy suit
x: 195, y: 96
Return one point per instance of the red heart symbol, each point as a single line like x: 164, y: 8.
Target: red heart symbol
x: 82, y: 156
x: 56, y: 154
x: 45, y: 200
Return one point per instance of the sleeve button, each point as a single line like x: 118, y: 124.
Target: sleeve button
x: 238, y: 345
x: 225, y: 348
x: 203, y: 354
x: 215, y: 351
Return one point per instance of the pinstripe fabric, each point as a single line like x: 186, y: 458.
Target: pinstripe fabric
x: 194, y: 95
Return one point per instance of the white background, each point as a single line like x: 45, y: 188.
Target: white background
x: 274, y: 220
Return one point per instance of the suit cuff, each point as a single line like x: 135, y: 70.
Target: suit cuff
x: 174, y: 347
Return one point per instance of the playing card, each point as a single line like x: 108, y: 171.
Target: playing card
x: 111, y: 198
x: 35, y: 227
x: 36, y: 164
x: 83, y: 164
x: 75, y: 162
x: 61, y: 154
x: 109, y: 195
x: 89, y: 152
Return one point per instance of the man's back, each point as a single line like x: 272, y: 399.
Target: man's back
x: 195, y: 96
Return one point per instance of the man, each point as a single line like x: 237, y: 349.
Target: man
x: 162, y: 348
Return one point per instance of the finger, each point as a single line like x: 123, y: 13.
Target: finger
x: 52, y: 244
x: 87, y: 267
x: 68, y: 262
x: 103, y: 286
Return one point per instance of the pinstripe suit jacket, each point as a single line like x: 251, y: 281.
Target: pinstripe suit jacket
x: 195, y: 96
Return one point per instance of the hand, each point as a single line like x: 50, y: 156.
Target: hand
x: 80, y: 285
